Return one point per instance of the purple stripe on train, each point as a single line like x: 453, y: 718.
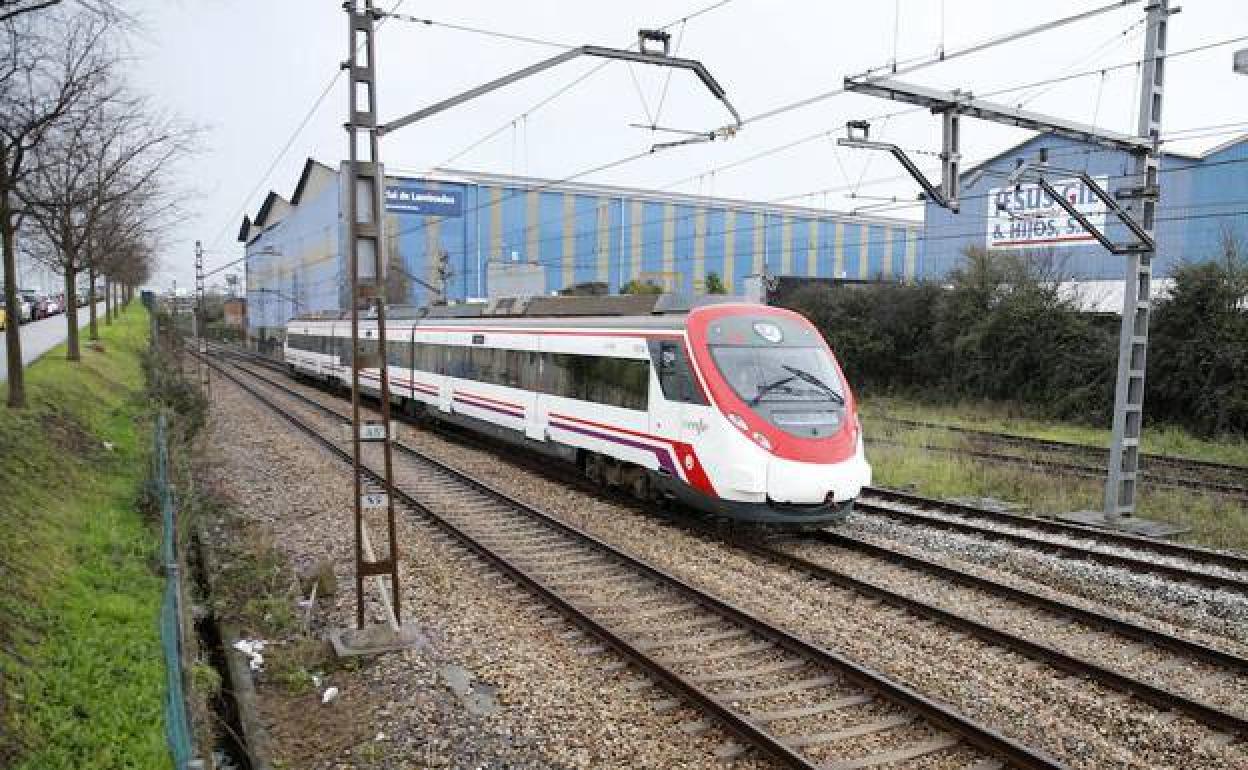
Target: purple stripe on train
x: 663, y: 454
x: 499, y: 409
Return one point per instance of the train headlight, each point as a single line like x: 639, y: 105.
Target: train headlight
x: 762, y: 441
x: 740, y: 422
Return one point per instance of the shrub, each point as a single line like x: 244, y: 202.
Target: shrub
x: 999, y: 330
x: 1198, y: 356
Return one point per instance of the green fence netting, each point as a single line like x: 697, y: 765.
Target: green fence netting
x: 177, y: 724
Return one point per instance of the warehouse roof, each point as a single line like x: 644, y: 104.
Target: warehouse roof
x: 311, y: 165
x: 1173, y: 153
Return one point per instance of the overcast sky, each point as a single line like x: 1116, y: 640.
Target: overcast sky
x: 249, y: 71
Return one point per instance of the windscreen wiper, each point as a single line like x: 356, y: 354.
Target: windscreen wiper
x: 765, y: 389
x: 818, y: 383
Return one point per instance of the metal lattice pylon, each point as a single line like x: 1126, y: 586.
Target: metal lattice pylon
x: 367, y: 280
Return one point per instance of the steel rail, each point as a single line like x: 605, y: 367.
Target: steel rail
x: 1126, y: 628
x: 1154, y: 694
x: 981, y: 737
x: 1065, y: 550
x: 1161, y: 697
x: 1070, y: 530
x: 1205, y: 556
x: 1129, y: 629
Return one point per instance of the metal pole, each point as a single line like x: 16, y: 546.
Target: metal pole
x: 367, y: 264
x: 1121, y: 486
x: 201, y: 346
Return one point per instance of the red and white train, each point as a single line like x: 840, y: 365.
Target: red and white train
x: 739, y: 410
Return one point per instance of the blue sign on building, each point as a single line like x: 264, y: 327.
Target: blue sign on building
x: 423, y: 200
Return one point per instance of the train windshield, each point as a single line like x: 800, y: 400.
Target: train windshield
x: 782, y: 372
x: 772, y: 375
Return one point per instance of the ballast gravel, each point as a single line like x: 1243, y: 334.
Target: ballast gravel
x: 1078, y: 722
x: 1220, y: 612
x: 540, y: 701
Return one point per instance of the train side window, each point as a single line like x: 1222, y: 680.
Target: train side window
x: 675, y: 375
x: 618, y: 382
x: 530, y: 369
x: 433, y: 358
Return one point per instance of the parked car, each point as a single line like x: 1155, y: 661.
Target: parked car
x: 43, y: 306
x: 30, y: 297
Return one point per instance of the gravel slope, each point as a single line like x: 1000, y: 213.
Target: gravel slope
x: 554, y: 706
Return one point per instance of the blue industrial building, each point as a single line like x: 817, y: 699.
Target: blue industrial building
x: 1204, y: 200
x: 462, y: 235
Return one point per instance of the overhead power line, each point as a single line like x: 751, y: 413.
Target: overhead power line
x: 772, y: 222
x: 281, y: 153
x: 636, y: 156
x: 943, y: 56
x: 807, y: 138
x: 569, y: 86
x: 477, y: 30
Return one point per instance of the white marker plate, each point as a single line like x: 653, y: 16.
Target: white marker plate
x: 373, y: 500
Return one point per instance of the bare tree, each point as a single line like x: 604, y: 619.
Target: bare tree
x: 105, y: 9
x: 45, y: 71
x: 103, y: 167
x: 122, y: 246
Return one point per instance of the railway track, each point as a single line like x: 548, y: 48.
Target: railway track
x: 1204, y: 567
x: 1052, y: 626
x: 1173, y: 561
x: 1082, y: 460
x: 800, y: 704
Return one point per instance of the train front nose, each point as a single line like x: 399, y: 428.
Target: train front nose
x: 800, y: 483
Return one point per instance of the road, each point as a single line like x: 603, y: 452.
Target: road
x: 41, y: 336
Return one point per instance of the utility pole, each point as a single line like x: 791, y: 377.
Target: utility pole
x: 1124, y: 449
x: 1138, y: 220
x: 367, y: 266
x: 366, y: 262
x: 198, y: 318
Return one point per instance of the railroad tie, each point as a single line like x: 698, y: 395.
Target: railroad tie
x: 715, y: 637
x: 856, y: 731
x: 909, y: 752
x: 667, y: 609
x: 770, y: 668
x: 702, y: 621
x: 814, y: 710
x: 792, y: 687
x: 734, y: 652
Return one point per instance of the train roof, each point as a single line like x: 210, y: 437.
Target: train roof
x: 668, y: 321
x: 627, y: 311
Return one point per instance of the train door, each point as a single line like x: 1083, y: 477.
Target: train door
x: 680, y: 413
x: 537, y: 405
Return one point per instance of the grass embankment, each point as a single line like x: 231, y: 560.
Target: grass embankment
x: 80, y: 655
x: 1214, y: 521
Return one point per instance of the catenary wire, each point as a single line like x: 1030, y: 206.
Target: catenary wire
x: 806, y: 139
x: 281, y: 153
x: 570, y: 85
x: 561, y: 262
x: 942, y: 57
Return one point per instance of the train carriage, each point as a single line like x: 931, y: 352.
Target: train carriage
x: 739, y: 410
